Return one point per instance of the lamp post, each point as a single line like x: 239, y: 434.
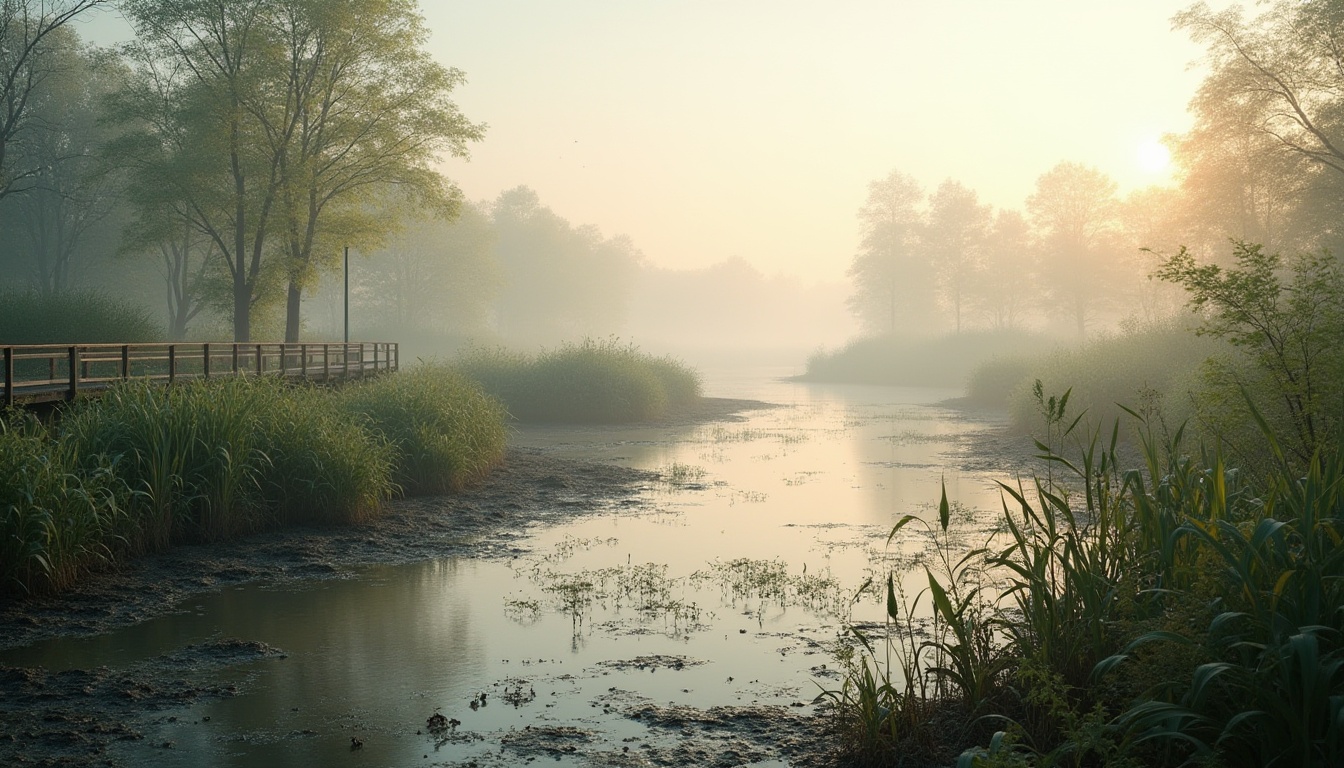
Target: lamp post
x: 347, y: 294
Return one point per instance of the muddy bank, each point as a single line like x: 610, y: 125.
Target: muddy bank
x: 71, y: 718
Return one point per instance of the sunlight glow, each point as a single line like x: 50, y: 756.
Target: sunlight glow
x: 1153, y: 156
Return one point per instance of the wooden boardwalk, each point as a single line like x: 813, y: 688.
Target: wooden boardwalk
x: 44, y: 373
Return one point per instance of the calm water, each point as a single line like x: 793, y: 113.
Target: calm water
x: 742, y: 565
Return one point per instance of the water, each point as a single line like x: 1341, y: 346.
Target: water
x: 730, y: 586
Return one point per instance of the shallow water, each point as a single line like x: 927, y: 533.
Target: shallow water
x: 729, y: 586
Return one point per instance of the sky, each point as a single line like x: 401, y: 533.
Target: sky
x: 706, y: 129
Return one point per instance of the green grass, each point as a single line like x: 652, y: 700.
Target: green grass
x: 596, y: 381
x: 145, y: 467
x: 78, y: 317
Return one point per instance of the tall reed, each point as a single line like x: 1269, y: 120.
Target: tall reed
x: 444, y: 431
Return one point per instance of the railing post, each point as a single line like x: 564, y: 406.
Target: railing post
x: 205, y: 359
x: 345, y: 357
x: 396, y: 355
x: 172, y: 362
x: 125, y: 361
x: 74, y: 372
x: 284, y: 359
x: 303, y: 361
x: 235, y: 358
x: 261, y: 367
x: 326, y: 362
x: 9, y: 377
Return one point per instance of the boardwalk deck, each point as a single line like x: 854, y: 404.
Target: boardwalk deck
x: 52, y: 372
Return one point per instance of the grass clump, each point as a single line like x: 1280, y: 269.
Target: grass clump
x: 445, y: 432
x: 595, y: 381
x: 77, y: 317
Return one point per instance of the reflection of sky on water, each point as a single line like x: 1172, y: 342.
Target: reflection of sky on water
x: 816, y: 482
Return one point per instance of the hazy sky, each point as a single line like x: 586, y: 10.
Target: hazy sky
x: 711, y: 128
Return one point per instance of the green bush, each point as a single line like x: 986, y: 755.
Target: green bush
x: 79, y: 317
x: 444, y: 431
x: 596, y: 381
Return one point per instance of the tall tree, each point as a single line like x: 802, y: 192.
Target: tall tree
x: 892, y: 278
x: 71, y: 194
x: 364, y: 107
x: 561, y: 282
x: 1006, y: 287
x: 1073, y: 211
x: 954, y: 240
x: 435, y: 275
x: 202, y: 65
x: 1283, y: 70
x: 27, y: 41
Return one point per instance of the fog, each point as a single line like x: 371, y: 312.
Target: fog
x: 775, y: 177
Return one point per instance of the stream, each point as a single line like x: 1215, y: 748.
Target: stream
x: 695, y: 627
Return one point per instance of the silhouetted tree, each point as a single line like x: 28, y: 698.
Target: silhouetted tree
x: 893, y: 279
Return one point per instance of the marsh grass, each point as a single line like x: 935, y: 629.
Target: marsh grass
x: 600, y: 381
x: 445, y: 432
x: 146, y: 467
x: 1164, y: 615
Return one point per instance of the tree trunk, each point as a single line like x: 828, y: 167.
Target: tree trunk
x: 242, y: 308
x: 292, y: 306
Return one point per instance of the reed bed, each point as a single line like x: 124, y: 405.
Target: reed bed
x: 600, y: 381
x: 1160, y: 616
x: 145, y: 467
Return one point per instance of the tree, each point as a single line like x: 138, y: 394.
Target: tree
x: 560, y: 282
x: 435, y: 275
x: 27, y: 40
x: 365, y: 107
x: 70, y: 195
x: 954, y: 240
x: 1074, y: 213
x: 892, y: 279
x: 1292, y: 331
x: 1005, y: 289
x: 1283, y: 71
x: 200, y: 154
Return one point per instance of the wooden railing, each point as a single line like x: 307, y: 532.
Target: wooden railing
x: 47, y: 372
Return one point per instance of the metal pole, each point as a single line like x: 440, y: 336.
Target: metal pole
x: 347, y: 294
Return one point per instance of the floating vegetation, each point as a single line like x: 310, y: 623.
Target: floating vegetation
x: 722, y: 434
x: 770, y: 582
x: 679, y: 474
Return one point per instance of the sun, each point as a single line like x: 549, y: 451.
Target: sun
x: 1153, y: 156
